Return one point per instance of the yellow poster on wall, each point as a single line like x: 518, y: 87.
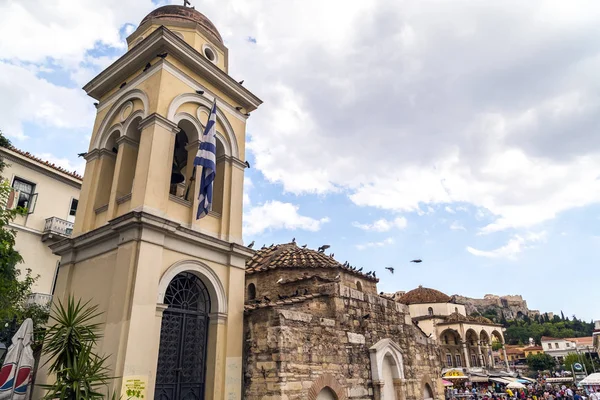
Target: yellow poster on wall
x: 454, y: 374
x: 134, y: 387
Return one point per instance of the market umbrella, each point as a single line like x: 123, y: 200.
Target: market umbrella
x: 515, y: 385
x: 15, y: 374
x: 447, y: 383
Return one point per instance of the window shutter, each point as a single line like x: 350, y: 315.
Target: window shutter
x: 32, y: 202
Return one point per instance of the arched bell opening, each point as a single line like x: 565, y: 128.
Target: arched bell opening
x: 179, y: 171
x: 184, y: 180
x: 128, y: 147
x: 107, y: 161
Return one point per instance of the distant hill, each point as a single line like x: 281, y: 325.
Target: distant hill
x: 520, y: 322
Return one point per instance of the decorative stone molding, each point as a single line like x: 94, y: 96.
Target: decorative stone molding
x: 210, y: 279
x: 203, y: 101
x: 125, y: 97
x: 379, y: 351
x: 217, y: 318
x: 160, y: 309
x: 126, y: 140
x: 158, y: 119
x: 97, y: 153
x: 101, y: 209
x: 124, y: 198
x: 324, y: 381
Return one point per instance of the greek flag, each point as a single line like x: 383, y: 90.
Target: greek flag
x: 207, y: 159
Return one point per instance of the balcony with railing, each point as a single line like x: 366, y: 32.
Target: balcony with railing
x: 56, y: 229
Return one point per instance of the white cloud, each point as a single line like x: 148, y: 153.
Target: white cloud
x: 63, y: 31
x: 383, y: 225
x: 457, y: 226
x: 65, y: 163
x: 513, y: 130
x: 516, y: 245
x: 385, y: 242
x: 248, y: 185
x: 449, y: 210
x: 274, y: 215
x: 28, y: 98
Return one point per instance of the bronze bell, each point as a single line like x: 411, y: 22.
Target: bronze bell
x: 176, y: 176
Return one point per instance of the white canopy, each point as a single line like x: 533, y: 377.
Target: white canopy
x: 515, y: 385
x: 592, y: 379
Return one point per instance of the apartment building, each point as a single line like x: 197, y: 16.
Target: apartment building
x: 50, y: 194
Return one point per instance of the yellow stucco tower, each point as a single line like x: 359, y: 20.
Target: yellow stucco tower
x: 171, y: 288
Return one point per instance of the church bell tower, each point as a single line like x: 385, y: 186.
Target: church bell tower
x: 170, y: 287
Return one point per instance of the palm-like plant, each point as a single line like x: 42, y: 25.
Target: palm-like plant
x: 69, y: 344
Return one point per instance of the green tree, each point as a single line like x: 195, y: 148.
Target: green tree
x: 80, y: 373
x: 573, y: 358
x: 540, y: 362
x: 14, y: 287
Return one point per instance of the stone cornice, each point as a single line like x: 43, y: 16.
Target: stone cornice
x: 161, y: 40
x: 128, y: 141
x: 158, y: 119
x: 143, y: 226
x: 97, y: 153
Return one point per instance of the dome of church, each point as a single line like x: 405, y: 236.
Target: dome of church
x: 290, y: 255
x: 424, y: 295
x: 181, y: 13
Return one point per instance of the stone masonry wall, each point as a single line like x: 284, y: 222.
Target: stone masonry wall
x: 292, y: 350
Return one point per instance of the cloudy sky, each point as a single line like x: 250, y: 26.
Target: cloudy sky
x: 462, y: 132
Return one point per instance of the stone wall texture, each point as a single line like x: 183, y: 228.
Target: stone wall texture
x: 294, y: 347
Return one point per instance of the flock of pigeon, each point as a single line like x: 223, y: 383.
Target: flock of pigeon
x: 281, y: 297
x: 346, y: 264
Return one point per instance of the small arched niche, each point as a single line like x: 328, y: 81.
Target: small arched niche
x: 251, y: 292
x: 427, y: 392
x: 327, y: 394
x: 430, y: 311
x: 359, y: 286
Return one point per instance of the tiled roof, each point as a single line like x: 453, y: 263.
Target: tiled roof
x: 182, y: 13
x: 422, y: 295
x: 533, y: 348
x: 262, y: 303
x: 46, y: 163
x: 458, y: 317
x: 289, y: 255
x: 586, y: 340
x: 306, y: 278
x: 550, y: 338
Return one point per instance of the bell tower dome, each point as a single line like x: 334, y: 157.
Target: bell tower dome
x: 137, y: 247
x: 190, y: 25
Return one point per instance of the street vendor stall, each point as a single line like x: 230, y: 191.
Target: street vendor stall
x: 591, y: 383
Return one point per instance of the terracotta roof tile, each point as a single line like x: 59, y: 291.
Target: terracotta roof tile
x: 46, y: 163
x: 289, y: 255
x: 423, y: 295
x: 291, y: 300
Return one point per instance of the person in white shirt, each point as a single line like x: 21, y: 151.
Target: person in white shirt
x: 595, y: 396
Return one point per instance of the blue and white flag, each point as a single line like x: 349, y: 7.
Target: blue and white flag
x: 207, y: 159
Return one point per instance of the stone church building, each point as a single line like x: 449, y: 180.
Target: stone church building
x: 175, y: 320
x: 317, y: 329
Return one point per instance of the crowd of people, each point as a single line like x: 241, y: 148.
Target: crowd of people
x: 534, y: 391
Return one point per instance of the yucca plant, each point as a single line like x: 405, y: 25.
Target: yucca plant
x: 69, y: 343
